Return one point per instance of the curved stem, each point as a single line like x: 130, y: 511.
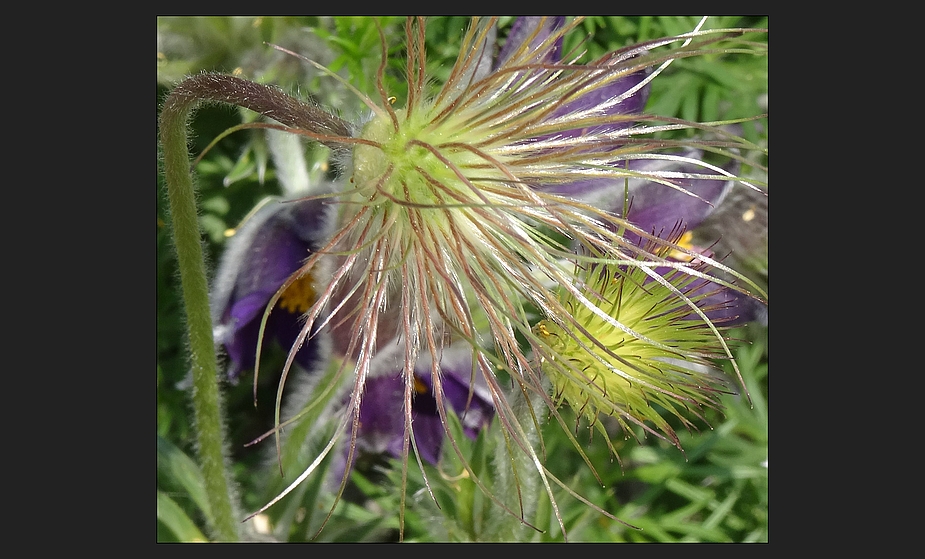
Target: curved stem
x: 272, y: 103
x: 206, y: 396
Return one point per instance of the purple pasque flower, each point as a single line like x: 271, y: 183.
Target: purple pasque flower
x: 265, y: 251
x: 382, y: 422
x: 674, y: 312
x: 530, y: 33
x: 667, y: 193
x: 534, y: 40
x: 675, y: 214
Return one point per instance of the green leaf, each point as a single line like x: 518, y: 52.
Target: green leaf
x: 177, y: 471
x: 176, y: 520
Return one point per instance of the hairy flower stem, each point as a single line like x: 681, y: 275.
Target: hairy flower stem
x: 177, y: 109
x: 188, y: 242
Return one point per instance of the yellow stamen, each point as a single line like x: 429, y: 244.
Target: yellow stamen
x: 684, y: 242
x: 419, y: 386
x: 299, y: 296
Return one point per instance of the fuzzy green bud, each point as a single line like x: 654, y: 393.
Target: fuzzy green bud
x: 641, y: 348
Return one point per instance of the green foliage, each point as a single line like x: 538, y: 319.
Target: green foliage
x: 716, y: 490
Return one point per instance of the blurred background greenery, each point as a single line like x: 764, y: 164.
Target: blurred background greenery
x: 716, y: 490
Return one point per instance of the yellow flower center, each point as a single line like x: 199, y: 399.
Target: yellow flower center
x: 686, y: 241
x: 419, y: 386
x: 299, y: 296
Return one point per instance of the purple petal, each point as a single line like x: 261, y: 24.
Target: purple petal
x: 382, y: 425
x: 484, y: 58
x: 655, y: 207
x: 264, y: 252
x: 730, y: 308
x: 521, y: 31
x: 600, y: 99
x: 659, y: 208
x: 473, y: 407
x: 723, y: 306
x: 283, y: 327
